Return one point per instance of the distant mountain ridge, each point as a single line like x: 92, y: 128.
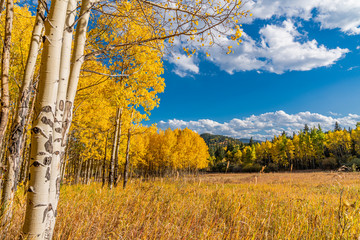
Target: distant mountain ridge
x: 247, y: 140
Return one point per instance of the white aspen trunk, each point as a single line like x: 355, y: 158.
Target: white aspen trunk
x: 126, y: 167
x: 77, y: 60
x: 18, y: 129
x: 58, y: 147
x: 116, y: 170
x: 104, y: 162
x: 96, y: 169
x: 113, y: 153
x: 5, y: 67
x: 9, y: 188
x: 38, y: 206
x: 89, y: 170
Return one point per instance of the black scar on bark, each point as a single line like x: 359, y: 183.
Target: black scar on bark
x: 48, y: 209
x: 47, y: 109
x: 40, y: 205
x: 36, y: 130
x: 31, y: 189
x: 47, y: 160
x: 47, y: 175
x: 36, y: 164
x: 58, y: 130
x: 61, y: 105
x: 47, y: 121
x: 56, y: 152
x: 68, y: 108
x: 48, y: 145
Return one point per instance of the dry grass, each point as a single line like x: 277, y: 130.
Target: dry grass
x: 214, y: 206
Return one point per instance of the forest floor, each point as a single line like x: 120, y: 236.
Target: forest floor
x: 299, y: 205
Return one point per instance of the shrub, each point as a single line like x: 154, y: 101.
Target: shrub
x: 329, y: 163
x: 252, y: 167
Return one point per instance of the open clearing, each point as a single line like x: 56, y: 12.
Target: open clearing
x: 306, y: 205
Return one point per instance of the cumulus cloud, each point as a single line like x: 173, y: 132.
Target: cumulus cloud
x: 281, y: 48
x: 331, y: 14
x: 286, y: 53
x: 263, y: 126
x: 184, y: 65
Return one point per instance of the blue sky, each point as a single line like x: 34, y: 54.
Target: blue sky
x: 299, y: 63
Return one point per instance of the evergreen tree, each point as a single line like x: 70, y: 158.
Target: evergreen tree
x: 251, y: 141
x: 337, y: 127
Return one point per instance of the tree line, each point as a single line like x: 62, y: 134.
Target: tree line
x: 310, y: 148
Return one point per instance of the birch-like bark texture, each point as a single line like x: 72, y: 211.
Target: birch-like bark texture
x: 38, y: 206
x: 115, y: 144
x: 9, y: 188
x: 104, y: 163
x: 77, y: 60
x: 116, y: 170
x: 18, y: 128
x: 58, y: 145
x: 5, y: 67
x: 126, y: 167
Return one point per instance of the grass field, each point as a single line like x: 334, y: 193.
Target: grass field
x: 310, y: 205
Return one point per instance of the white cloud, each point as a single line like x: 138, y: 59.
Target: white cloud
x: 331, y: 14
x: 286, y: 53
x: 280, y: 48
x: 263, y: 126
x: 184, y: 64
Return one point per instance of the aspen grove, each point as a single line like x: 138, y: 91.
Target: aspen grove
x: 78, y: 80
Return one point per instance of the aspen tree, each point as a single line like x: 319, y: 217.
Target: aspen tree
x: 118, y: 141
x: 58, y: 145
x: 77, y: 60
x: 114, y: 148
x: 126, y: 166
x: 5, y: 67
x: 18, y: 129
x: 38, y: 207
x: 11, y: 174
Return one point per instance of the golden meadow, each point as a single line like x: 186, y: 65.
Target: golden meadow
x: 308, y: 205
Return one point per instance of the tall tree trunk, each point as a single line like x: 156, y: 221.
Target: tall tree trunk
x: 5, y: 67
x: 77, y: 60
x: 104, y: 163
x: 126, y: 167
x: 38, y: 207
x: 89, y: 171
x: 85, y: 172
x: 9, y: 188
x: 59, y: 145
x: 113, y: 153
x: 18, y: 129
x: 79, y: 171
x: 116, y: 170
